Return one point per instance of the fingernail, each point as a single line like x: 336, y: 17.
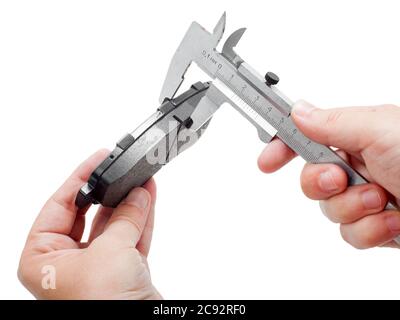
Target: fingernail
x: 371, y: 199
x: 138, y: 197
x: 326, y: 182
x: 302, y: 109
x: 393, y: 223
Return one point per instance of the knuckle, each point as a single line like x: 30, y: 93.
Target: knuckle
x: 333, y: 117
x: 127, y: 209
x: 127, y: 213
x: 129, y: 220
x: 341, y: 216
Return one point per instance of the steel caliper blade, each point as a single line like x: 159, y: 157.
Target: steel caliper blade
x: 195, y: 39
x: 261, y: 103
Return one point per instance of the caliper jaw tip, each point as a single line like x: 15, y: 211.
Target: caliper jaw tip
x: 230, y: 43
x: 196, y: 37
x: 219, y: 29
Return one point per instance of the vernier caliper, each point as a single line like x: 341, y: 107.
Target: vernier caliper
x: 180, y: 120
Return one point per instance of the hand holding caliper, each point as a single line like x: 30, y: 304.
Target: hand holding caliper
x: 369, y: 139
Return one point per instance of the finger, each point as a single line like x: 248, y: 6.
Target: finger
x: 275, y: 155
x: 355, y: 203
x: 104, y: 213
x: 360, y: 167
x: 373, y: 230
x: 356, y: 162
x: 78, y: 228
x: 145, y: 240
x: 100, y: 220
x: 59, y: 212
x: 337, y: 127
x: 322, y: 181
x: 128, y: 220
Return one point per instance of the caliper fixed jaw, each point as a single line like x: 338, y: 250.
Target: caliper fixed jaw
x: 195, y: 40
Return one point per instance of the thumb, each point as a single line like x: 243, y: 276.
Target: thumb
x: 129, y: 218
x: 352, y: 128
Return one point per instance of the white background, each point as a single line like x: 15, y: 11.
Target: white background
x: 77, y: 75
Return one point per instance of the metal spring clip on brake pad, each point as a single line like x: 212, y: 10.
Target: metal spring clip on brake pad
x: 234, y: 82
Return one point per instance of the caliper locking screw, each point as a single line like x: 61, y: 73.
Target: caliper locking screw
x: 271, y: 79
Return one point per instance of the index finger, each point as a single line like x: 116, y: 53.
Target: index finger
x: 59, y: 212
x: 275, y: 155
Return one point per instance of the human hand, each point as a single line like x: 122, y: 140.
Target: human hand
x: 369, y: 139
x: 111, y: 265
